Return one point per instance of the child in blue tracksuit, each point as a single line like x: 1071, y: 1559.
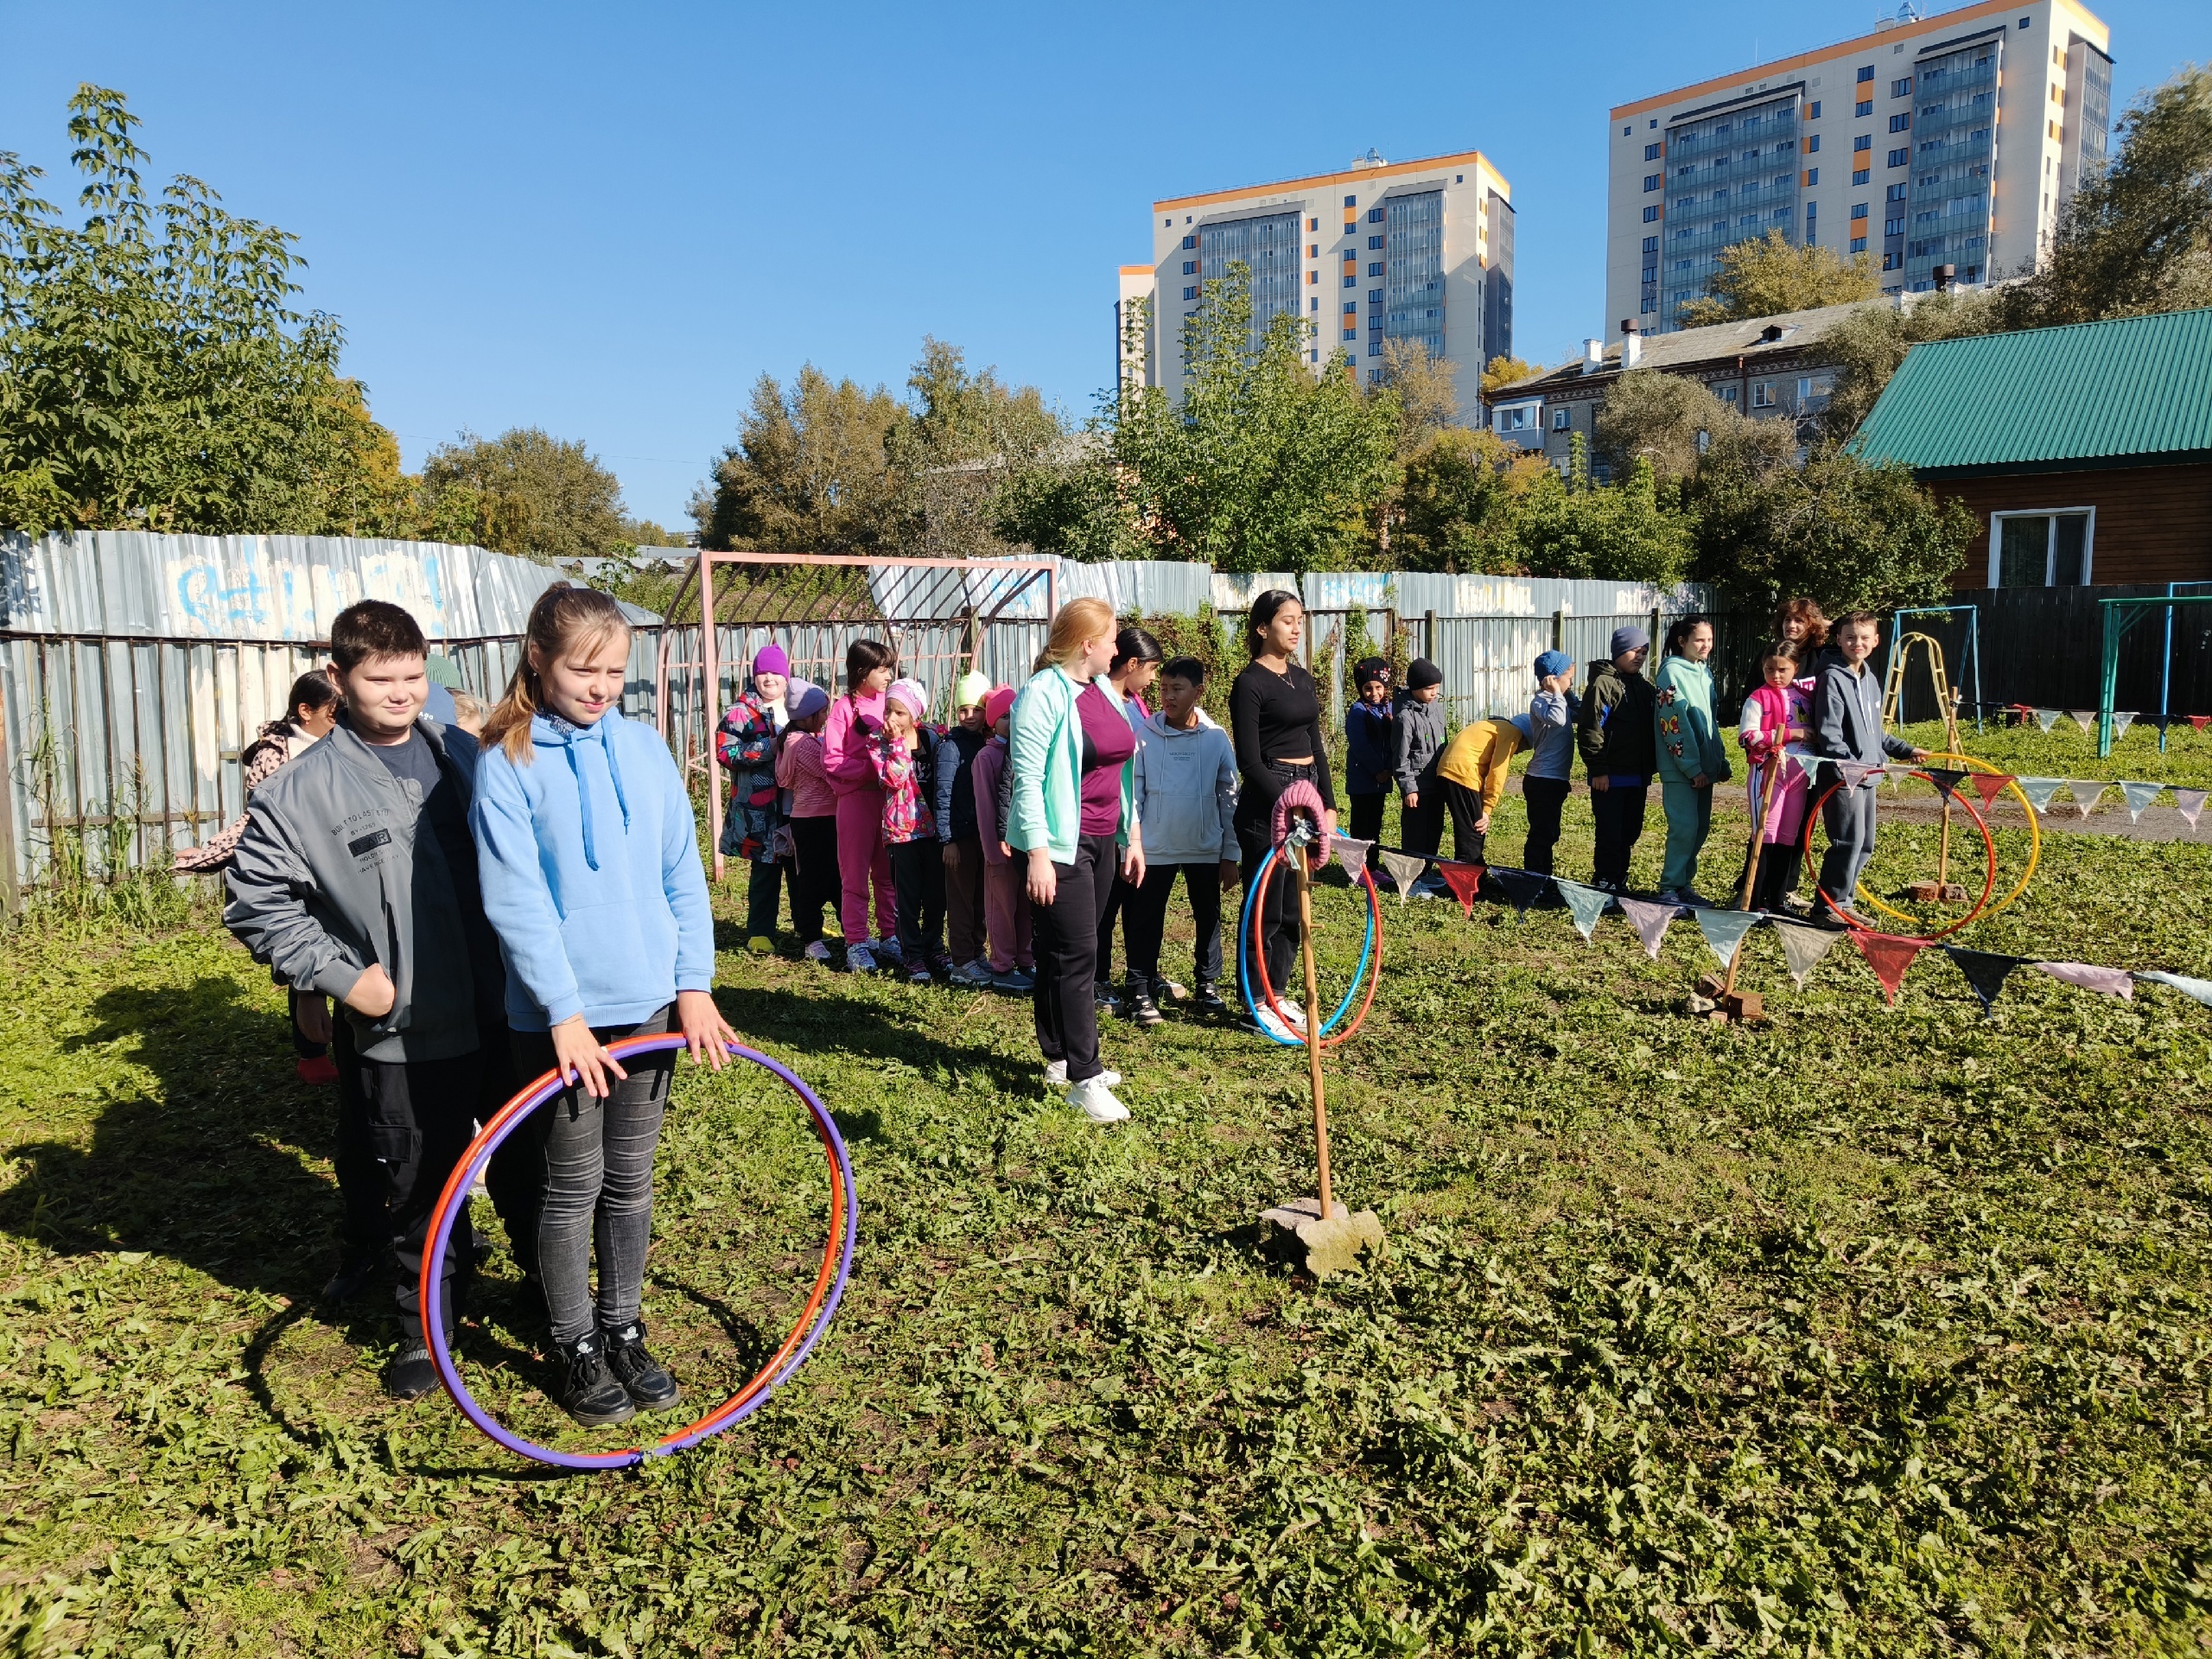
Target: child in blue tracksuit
x: 589, y: 858
x: 1367, y: 753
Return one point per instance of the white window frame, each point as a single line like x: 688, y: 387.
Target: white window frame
x: 1562, y: 419
x: 1763, y: 394
x: 2051, y: 546
x: 1525, y: 417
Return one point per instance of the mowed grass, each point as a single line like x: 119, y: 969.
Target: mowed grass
x: 1868, y: 1331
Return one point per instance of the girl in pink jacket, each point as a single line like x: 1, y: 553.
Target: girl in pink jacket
x: 811, y: 812
x: 1777, y: 714
x: 861, y: 858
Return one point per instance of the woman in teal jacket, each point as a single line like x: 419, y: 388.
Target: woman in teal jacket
x: 1691, y: 756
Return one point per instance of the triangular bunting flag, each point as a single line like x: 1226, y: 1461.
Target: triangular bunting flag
x: 2199, y: 988
x: 1352, y: 855
x: 1889, y: 956
x: 1724, y: 930
x: 2113, y: 982
x: 1985, y: 971
x: 1650, y: 921
x: 1989, y: 786
x: 2199, y: 721
x: 1802, y: 947
x: 2039, y: 791
x: 2047, y: 718
x: 1945, y: 779
x: 1586, y: 905
x: 1522, y: 889
x: 1853, y: 772
x: 2087, y: 792
x: 2121, y: 721
x: 1465, y: 881
x: 2139, y: 797
x: 1405, y: 869
x: 2085, y: 718
x: 2189, y: 802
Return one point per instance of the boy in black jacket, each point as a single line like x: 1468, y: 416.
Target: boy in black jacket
x: 1617, y: 733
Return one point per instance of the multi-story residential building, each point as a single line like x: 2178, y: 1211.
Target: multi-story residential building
x: 1951, y: 139
x: 1416, y: 251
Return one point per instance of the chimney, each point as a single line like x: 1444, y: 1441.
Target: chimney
x: 1631, y: 344
x: 1593, y: 356
x: 1945, y: 276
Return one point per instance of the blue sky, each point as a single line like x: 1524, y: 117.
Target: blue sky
x: 609, y: 221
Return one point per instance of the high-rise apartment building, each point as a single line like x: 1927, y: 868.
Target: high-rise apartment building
x: 1951, y: 139
x: 1384, y: 250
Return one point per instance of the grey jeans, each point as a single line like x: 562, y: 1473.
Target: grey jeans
x: 597, y: 1181
x: 1849, y: 819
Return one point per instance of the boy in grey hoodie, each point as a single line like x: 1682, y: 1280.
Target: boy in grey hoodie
x: 1185, y: 786
x: 1416, y: 745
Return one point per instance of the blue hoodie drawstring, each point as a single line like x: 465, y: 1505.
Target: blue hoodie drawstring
x: 569, y: 735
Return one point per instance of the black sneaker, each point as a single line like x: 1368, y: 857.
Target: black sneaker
x: 1207, y: 1000
x: 588, y: 1392
x: 411, y: 1375
x: 1105, y: 999
x: 354, y: 1276
x: 645, y: 1378
x: 1142, y: 1009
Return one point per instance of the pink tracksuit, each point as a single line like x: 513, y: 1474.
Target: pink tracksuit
x: 1767, y: 715
x: 1005, y: 896
x: 861, y: 853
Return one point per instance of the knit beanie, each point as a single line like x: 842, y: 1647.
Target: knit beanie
x: 970, y: 688
x: 1552, y: 661
x: 771, y: 659
x: 1422, y: 672
x: 997, y: 704
x: 1629, y: 639
x: 912, y: 694
x: 804, y: 700
x: 1370, y: 667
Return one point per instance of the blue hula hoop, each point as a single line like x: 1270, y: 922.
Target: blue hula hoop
x: 1244, y: 958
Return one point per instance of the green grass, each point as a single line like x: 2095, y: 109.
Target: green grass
x: 1870, y: 1331
x: 2066, y: 751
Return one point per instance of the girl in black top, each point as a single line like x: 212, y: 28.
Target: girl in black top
x: 1275, y: 720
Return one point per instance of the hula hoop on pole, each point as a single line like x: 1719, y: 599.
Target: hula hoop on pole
x: 1989, y: 878
x: 2035, y: 840
x: 829, y: 1284
x: 1251, y: 954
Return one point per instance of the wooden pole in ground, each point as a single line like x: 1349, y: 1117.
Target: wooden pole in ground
x: 1313, y: 1023
x: 1752, y: 865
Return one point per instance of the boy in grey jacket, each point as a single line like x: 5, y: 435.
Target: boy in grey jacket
x: 356, y: 879
x: 1847, y: 726
x: 1416, y: 745
x: 1186, y: 794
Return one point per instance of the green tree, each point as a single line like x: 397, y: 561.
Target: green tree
x: 1868, y: 347
x: 1765, y: 276
x: 1263, y: 464
x: 965, y: 435
x: 1661, y: 419
x: 2139, y: 238
x: 1462, y: 491
x: 153, y: 373
x: 1502, y: 371
x: 1565, y: 526
x: 810, y: 472
x: 526, y: 493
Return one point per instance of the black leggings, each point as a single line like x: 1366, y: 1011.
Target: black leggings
x: 1066, y: 934
x: 918, y: 883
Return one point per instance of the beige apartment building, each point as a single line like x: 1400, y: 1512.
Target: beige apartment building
x: 1951, y: 138
x: 1382, y: 250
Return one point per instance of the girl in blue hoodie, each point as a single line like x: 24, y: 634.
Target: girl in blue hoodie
x: 590, y: 861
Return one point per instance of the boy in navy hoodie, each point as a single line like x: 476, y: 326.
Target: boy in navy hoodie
x: 1367, y: 751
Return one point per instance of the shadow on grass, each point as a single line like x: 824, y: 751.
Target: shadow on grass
x: 834, y: 1023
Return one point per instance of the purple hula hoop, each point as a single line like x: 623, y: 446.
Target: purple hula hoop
x: 452, y: 1206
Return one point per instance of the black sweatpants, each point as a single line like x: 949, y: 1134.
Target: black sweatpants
x: 1147, y: 922
x: 1420, y: 828
x: 1367, y: 825
x: 1065, y: 933
x: 815, y: 880
x: 764, y: 897
x: 1620, y: 814
x: 918, y: 881
x: 1469, y: 844
x: 1781, y: 864
x: 1544, y: 798
x: 1119, y: 892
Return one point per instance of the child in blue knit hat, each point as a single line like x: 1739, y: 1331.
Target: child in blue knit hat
x: 1545, y: 786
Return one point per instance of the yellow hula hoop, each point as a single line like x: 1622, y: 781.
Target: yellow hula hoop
x: 2035, y: 840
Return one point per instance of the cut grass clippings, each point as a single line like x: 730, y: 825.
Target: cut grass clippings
x: 1868, y: 1331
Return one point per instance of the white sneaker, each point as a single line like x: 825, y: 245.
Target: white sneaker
x: 890, y: 949
x: 817, y: 952
x: 1293, y: 1016
x: 1056, y: 1076
x: 1093, y: 1098
x: 859, y: 959
x: 1263, y: 1019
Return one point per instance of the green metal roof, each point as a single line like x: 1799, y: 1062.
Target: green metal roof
x: 2093, y: 394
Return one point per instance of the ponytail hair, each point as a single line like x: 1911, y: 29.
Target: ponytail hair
x: 1078, y: 622
x: 566, y: 621
x: 862, y: 658
x: 1262, y: 613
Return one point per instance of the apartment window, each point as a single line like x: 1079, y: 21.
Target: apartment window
x: 1375, y: 243
x: 1652, y: 245
x: 1516, y: 418
x: 1351, y: 333
x: 1864, y: 107
x: 1763, y: 394
x: 2042, y: 550
x: 1858, y: 244
x: 1897, y: 193
x: 1812, y: 178
x: 1863, y: 175
x: 1313, y: 278
x: 1374, y: 296
x: 1189, y: 293
x: 1863, y: 140
x: 1901, y: 122
x: 1651, y: 215
x: 1352, y: 279
x: 1313, y: 356
x: 1859, y: 210
x: 1375, y: 215
x: 2024, y: 21
x: 1351, y: 202
x: 1374, y: 267
x: 1562, y: 420
x: 1651, y: 152
x: 1901, y: 88
x: 1190, y: 242
x: 1727, y: 396
x: 1170, y: 219
x: 1812, y: 144
x: 1351, y: 308
x: 1892, y: 262
x: 1313, y: 304
x: 1313, y: 223
x: 1312, y: 250
x: 1899, y: 157
x: 1652, y: 180
x: 1628, y: 128
x: 1866, y: 72
x: 1893, y: 227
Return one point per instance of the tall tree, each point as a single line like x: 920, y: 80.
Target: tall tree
x: 964, y: 434
x: 2137, y: 237
x: 1565, y: 526
x: 526, y: 493
x: 1456, y: 510
x: 1502, y: 371
x: 1765, y: 276
x: 153, y: 372
x: 810, y: 472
